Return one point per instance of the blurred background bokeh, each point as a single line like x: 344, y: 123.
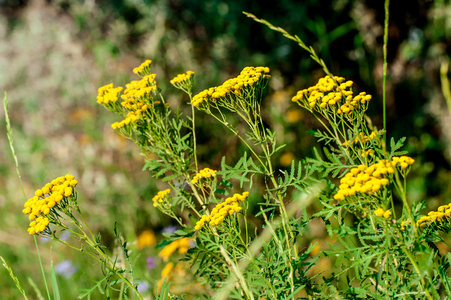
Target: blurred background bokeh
x: 55, y: 54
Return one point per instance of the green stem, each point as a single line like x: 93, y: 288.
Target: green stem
x: 402, y: 192
x: 193, y: 118
x: 42, y: 268
x: 110, y: 265
x: 417, y: 269
x: 384, y: 78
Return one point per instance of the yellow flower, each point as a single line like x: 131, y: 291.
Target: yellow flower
x: 387, y: 214
x: 143, y: 69
x: 363, y: 179
x: 204, y: 173
x: 379, y: 212
x: 293, y: 115
x: 160, y: 196
x: 286, y: 159
x: 230, y: 89
x: 42, y: 207
x: 165, y: 273
x: 183, y: 81
x: 221, y: 210
x: 181, y: 245
x: 362, y: 138
x: 146, y: 239
x: 334, y: 94
x: 437, y: 220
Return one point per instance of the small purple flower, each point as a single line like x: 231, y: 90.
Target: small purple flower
x: 65, y: 235
x: 150, y: 263
x: 65, y: 269
x: 170, y: 229
x: 143, y: 287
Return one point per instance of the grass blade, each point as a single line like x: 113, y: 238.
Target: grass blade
x: 15, y: 279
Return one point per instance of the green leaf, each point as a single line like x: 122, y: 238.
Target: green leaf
x: 55, y: 286
x: 220, y: 191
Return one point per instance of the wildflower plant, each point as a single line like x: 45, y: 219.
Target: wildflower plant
x: 243, y: 249
x: 55, y: 207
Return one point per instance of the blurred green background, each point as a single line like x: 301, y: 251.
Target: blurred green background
x: 55, y: 54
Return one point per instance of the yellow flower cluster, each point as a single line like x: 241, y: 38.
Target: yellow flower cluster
x: 181, y: 245
x: 218, y: 214
x: 167, y: 270
x: 442, y: 215
x: 146, y: 239
x: 137, y: 90
x: 404, y: 224
x: 108, y: 94
x: 380, y: 212
x: 135, y: 99
x: 159, y: 197
x: 46, y: 200
x: 403, y: 161
x: 204, y: 173
x: 248, y: 77
x: 143, y: 69
x: 132, y: 117
x: 184, y: 78
x: 327, y: 93
x: 364, y: 138
x: 364, y: 179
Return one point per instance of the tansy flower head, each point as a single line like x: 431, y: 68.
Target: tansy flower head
x: 184, y: 81
x: 234, y: 89
x: 165, y: 273
x: 363, y: 179
x: 364, y: 139
x: 222, y: 210
x: 57, y: 195
x: 159, y: 197
x: 107, y: 94
x: 143, y: 69
x: 334, y: 94
x: 146, y: 239
x: 181, y: 246
x: 380, y: 212
x: 439, y: 220
x: 371, y: 179
x: 204, y: 173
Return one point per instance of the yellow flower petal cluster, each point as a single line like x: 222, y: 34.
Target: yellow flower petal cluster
x: 137, y: 91
x: 181, y: 245
x: 364, y: 179
x: 380, y: 212
x: 136, y: 98
x: 108, y: 94
x: 361, y: 137
x: 204, y: 173
x: 436, y: 218
x: 46, y: 199
x: 132, y: 117
x: 403, y: 161
x: 248, y: 77
x: 146, y: 239
x: 159, y: 197
x: 218, y: 214
x: 327, y: 93
x: 143, y: 69
x: 165, y: 273
x: 182, y: 79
